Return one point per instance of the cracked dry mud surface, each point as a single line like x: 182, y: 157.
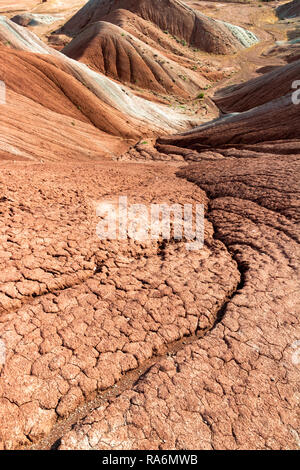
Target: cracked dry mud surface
x: 78, y: 313
x: 145, y: 345
x: 238, y: 387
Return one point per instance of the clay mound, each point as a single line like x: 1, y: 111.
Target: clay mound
x: 47, y: 83
x: 51, y: 93
x: 72, y: 89
x: 33, y: 19
x: 169, y: 348
x: 258, y: 91
x: 171, y: 15
x: 237, y: 387
x: 278, y: 121
x: 116, y: 53
x: 30, y: 131
x: 289, y: 10
x: 24, y: 19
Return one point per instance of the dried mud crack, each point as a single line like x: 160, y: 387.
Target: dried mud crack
x: 66, y: 345
x: 124, y: 344
x: 130, y: 379
x: 237, y: 387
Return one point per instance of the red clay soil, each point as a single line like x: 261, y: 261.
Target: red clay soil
x: 169, y: 15
x: 111, y: 50
x: 113, y: 344
x: 237, y: 387
x: 77, y: 313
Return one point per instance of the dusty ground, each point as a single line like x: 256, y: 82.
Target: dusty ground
x: 145, y: 345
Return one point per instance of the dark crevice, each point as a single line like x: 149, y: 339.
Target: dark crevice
x: 221, y: 313
x: 56, y: 444
x: 241, y: 266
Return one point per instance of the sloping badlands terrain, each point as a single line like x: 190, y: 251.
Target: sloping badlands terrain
x: 143, y: 344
